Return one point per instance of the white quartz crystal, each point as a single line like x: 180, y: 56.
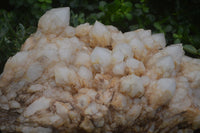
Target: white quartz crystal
x: 100, y: 35
x: 54, y: 20
x: 160, y: 39
x: 97, y: 79
x: 132, y: 86
x: 39, y: 104
x: 101, y: 57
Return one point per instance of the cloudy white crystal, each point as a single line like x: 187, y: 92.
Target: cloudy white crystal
x: 39, y: 104
x: 101, y: 56
x: 94, y: 78
x: 100, y: 35
x: 132, y: 85
x: 160, y: 39
x: 54, y: 20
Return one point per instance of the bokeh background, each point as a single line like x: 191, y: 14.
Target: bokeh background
x: 178, y: 19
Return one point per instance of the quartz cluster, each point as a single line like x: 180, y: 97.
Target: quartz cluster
x: 94, y: 78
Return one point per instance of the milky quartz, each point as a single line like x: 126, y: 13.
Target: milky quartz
x: 94, y: 78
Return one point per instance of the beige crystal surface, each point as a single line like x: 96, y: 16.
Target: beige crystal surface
x: 94, y: 78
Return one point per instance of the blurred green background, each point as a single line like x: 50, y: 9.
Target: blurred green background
x: 178, y: 19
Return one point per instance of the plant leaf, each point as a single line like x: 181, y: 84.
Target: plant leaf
x: 190, y: 49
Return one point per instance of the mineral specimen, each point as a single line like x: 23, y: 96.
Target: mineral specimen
x: 94, y: 78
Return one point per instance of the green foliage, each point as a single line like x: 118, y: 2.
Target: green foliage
x: 191, y: 50
x: 31, y: 8
x: 12, y: 35
x: 116, y: 11
x: 176, y: 18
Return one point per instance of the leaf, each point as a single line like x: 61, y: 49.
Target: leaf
x: 180, y: 30
x: 138, y: 12
x: 146, y: 9
x: 138, y: 5
x: 129, y: 16
x: 177, y: 41
x: 158, y: 26
x: 128, y: 4
x: 102, y: 5
x: 177, y: 35
x: 168, y: 28
x: 190, y: 49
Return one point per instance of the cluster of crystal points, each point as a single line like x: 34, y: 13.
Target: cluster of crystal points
x: 94, y: 78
